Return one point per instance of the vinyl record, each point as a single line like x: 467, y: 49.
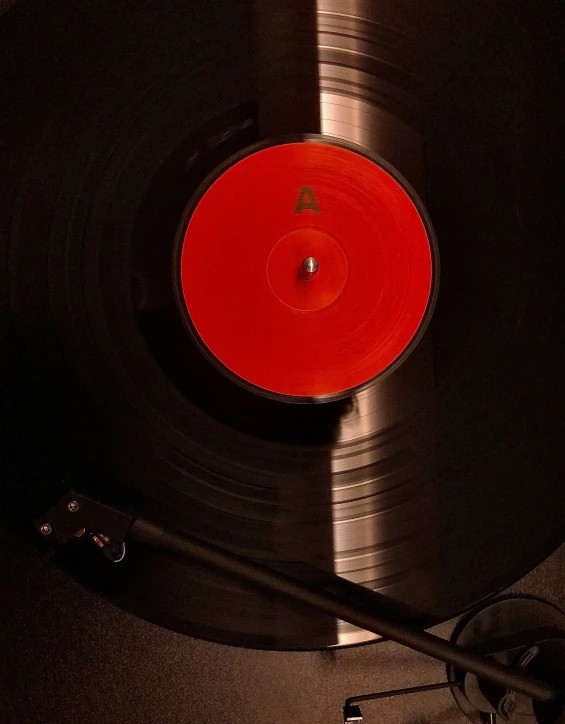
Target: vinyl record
x: 436, y: 484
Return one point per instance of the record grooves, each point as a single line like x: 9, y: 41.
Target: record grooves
x: 436, y: 485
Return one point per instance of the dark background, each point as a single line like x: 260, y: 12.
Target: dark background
x: 69, y: 656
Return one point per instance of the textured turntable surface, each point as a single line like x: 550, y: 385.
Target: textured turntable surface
x: 74, y: 659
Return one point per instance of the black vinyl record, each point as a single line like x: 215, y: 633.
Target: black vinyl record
x: 436, y: 486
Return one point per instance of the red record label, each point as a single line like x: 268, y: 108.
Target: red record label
x: 306, y: 269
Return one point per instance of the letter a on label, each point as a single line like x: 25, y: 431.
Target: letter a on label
x: 306, y: 200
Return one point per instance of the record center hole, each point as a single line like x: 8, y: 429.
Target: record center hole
x: 308, y: 268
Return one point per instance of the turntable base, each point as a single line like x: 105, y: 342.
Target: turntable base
x: 82, y: 661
